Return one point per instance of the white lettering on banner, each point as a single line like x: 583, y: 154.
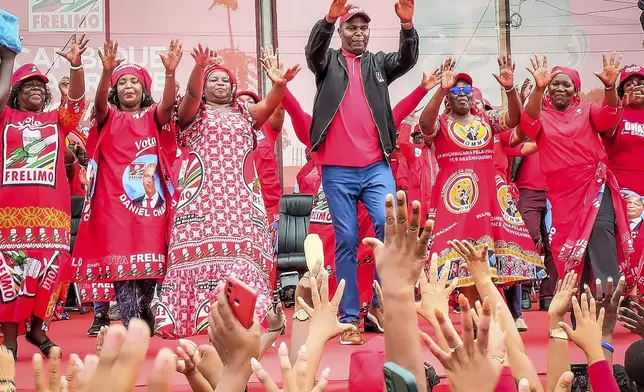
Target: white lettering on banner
x: 127, y: 203
x: 147, y: 258
x: 634, y: 129
x: 142, y: 145
x: 7, y: 288
x: 50, y: 278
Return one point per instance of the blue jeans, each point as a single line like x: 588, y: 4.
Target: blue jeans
x: 101, y: 307
x: 513, y: 298
x: 344, y: 187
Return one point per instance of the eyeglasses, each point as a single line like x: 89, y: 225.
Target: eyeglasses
x: 467, y: 90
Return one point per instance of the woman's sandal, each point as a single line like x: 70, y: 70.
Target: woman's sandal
x: 44, y: 346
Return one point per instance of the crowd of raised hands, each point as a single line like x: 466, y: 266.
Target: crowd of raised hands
x: 487, y: 355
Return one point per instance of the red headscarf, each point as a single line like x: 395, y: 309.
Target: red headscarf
x: 233, y: 81
x: 132, y: 69
x: 576, y: 81
x: 248, y: 92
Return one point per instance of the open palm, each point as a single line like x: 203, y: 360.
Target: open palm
x: 76, y: 50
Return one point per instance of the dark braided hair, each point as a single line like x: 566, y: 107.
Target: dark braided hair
x: 146, y: 100
x: 14, y: 102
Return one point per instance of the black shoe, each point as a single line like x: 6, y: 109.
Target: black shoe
x: 544, y: 303
x: 100, y: 320
x: 45, y: 346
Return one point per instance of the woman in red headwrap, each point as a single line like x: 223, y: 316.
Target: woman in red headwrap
x: 469, y: 200
x: 624, y: 148
x: 220, y: 228
x: 122, y: 235
x: 589, y: 233
x: 34, y: 195
x: 264, y: 156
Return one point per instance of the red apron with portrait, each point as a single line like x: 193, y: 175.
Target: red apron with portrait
x: 469, y: 202
x: 322, y: 225
x: 123, y: 230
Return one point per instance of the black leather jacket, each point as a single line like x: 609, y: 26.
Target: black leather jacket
x: 378, y: 70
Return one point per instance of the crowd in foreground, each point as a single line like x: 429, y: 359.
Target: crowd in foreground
x: 179, y: 192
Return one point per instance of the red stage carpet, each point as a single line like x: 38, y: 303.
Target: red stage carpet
x: 72, y: 337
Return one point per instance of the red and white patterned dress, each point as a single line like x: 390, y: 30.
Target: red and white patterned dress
x: 220, y: 227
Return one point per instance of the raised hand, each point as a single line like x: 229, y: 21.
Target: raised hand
x: 100, y: 339
x: 588, y: 334
x: 506, y: 72
x: 432, y: 80
x: 293, y: 377
x: 276, y: 319
x: 172, y: 57
x: 109, y: 56
x: 611, y: 71
x: 564, y: 291
x: 400, y: 259
x: 275, y: 70
x: 540, y: 71
x: 56, y: 382
x: 76, y: 50
x: 405, y: 10
x: 187, y: 354
x: 477, y: 261
x: 496, y: 331
x: 447, y: 74
x: 632, y: 318
x: 205, y: 57
x: 471, y: 365
x: 338, y: 8
x: 435, y: 292
x: 608, y: 301
x: 526, y: 89
x: 7, y: 369
x: 324, y: 313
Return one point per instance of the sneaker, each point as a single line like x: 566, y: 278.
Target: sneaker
x: 521, y: 325
x: 100, y: 320
x: 374, y: 322
x: 352, y: 337
x: 544, y: 303
x: 525, y: 300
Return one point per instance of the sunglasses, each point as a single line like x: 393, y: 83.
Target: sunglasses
x: 467, y: 90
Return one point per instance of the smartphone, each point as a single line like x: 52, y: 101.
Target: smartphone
x: 288, y: 283
x: 241, y: 298
x: 398, y: 379
x: 432, y: 378
x: 580, y: 381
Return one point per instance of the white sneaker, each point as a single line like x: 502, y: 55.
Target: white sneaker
x: 521, y: 325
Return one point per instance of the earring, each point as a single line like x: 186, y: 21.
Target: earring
x: 16, y: 103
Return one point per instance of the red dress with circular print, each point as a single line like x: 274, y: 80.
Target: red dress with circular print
x: 470, y: 202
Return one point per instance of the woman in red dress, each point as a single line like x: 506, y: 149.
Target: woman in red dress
x: 468, y: 200
x: 589, y: 233
x: 34, y: 193
x: 122, y: 236
x: 624, y: 148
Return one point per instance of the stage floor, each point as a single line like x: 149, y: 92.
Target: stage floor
x: 72, y: 336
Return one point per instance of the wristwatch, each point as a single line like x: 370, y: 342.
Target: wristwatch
x: 300, y: 315
x: 558, y: 333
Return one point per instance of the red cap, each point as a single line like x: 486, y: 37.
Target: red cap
x: 28, y: 71
x: 354, y: 11
x: 631, y: 70
x: 465, y: 77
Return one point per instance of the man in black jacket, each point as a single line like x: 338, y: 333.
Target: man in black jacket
x: 354, y: 135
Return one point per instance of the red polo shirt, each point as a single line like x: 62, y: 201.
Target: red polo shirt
x: 529, y: 175
x: 352, y: 139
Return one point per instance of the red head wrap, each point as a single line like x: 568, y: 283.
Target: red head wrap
x: 248, y: 92
x: 576, y: 81
x: 233, y: 81
x: 132, y: 69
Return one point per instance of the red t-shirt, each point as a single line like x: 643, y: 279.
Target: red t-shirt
x: 529, y: 175
x: 352, y: 139
x: 34, y: 190
x: 76, y: 185
x: 625, y: 151
x: 266, y: 164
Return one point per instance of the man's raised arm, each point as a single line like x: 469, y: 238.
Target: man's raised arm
x: 317, y: 49
x: 400, y: 62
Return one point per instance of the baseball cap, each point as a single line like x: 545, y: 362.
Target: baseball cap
x: 631, y: 70
x: 465, y: 77
x: 28, y: 71
x: 354, y: 11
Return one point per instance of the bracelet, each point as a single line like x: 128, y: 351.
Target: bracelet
x: 608, y: 346
x: 609, y: 88
x: 510, y: 89
x: 76, y: 68
x: 406, y: 25
x: 7, y: 381
x: 168, y: 75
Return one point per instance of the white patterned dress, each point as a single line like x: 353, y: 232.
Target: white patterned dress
x: 220, y: 227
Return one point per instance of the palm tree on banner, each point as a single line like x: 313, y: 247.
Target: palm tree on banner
x: 243, y: 66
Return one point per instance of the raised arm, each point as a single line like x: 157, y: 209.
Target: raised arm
x: 276, y: 121
x: 317, y: 48
x: 400, y: 62
x: 506, y: 80
x: 263, y: 110
x: 605, y: 117
x: 170, y: 61
x: 542, y: 79
x: 77, y: 75
x: 428, y: 123
x: 299, y: 118
x: 7, y: 58
x: 409, y: 103
x: 110, y: 62
x: 190, y: 104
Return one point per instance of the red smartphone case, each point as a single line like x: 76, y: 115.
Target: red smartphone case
x: 241, y: 298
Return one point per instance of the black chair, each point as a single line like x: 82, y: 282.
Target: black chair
x: 295, y: 214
